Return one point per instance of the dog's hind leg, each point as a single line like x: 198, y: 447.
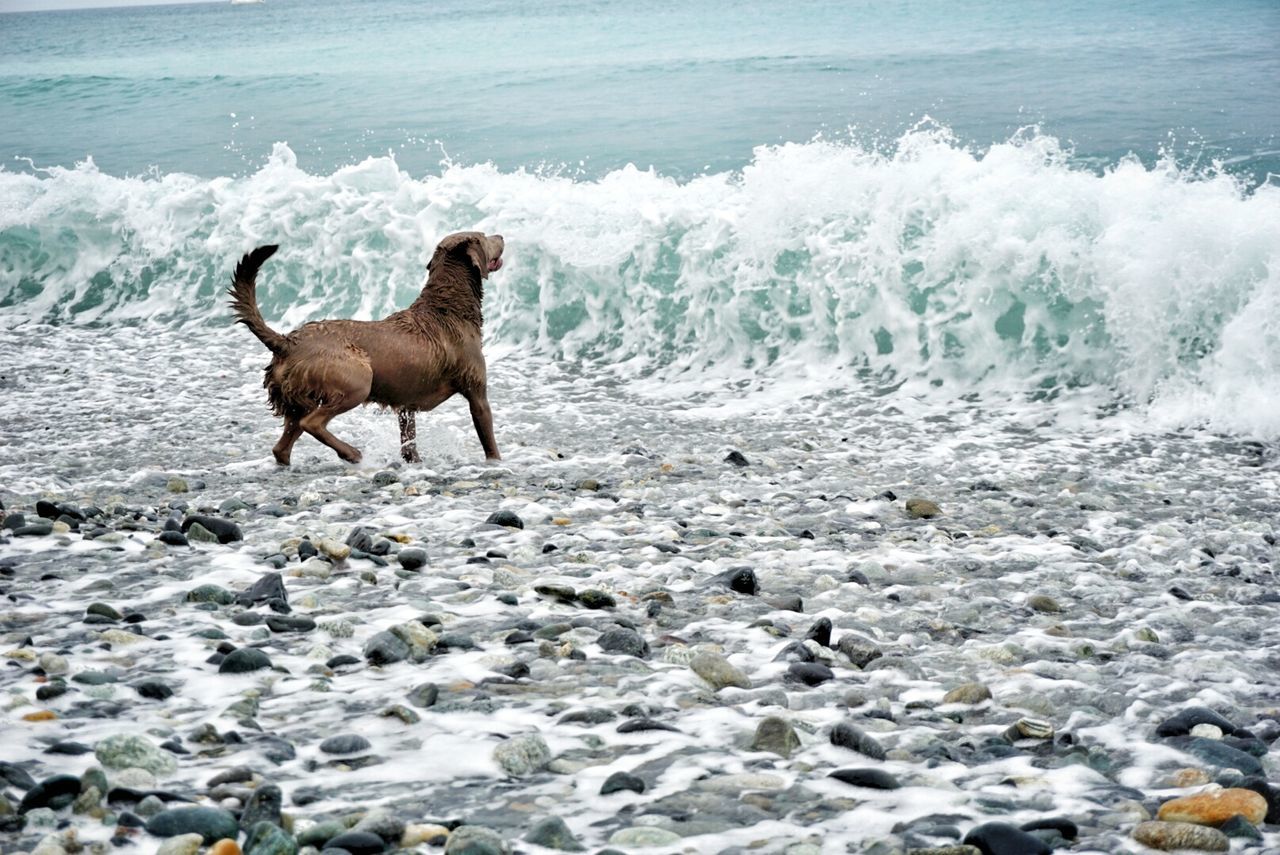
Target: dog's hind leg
x: 316, y: 423
x: 284, y: 448
x: 481, y: 415
x: 408, y: 436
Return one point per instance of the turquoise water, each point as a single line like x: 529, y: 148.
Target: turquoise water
x: 1033, y: 196
x: 685, y: 87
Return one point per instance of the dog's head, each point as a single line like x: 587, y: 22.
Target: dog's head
x: 481, y: 251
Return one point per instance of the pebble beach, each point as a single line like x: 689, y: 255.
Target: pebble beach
x: 747, y: 622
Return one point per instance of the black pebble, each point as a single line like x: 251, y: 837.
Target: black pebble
x: 1000, y: 838
x: 49, y: 691
x: 56, y: 792
x: 820, y: 632
x: 226, y: 530
x: 809, y: 673
x: 625, y: 641
x: 153, y: 689
x: 619, y: 781
x: 173, y: 538
x: 639, y: 725
x: 287, y: 623
x: 268, y: 587
x: 244, y: 660
x: 360, y: 538
x: 357, y: 843
x: 505, y: 518
x: 874, y: 779
x: 1180, y: 723
x: 16, y: 775
x: 736, y: 458
x: 740, y: 579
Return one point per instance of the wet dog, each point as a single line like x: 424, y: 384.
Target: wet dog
x: 415, y: 359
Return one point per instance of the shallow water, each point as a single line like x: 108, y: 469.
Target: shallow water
x: 1095, y: 511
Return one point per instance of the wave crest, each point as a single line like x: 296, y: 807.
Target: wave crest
x: 932, y: 263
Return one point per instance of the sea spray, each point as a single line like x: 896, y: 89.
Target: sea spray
x: 931, y: 263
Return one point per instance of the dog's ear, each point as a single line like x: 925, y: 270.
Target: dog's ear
x: 479, y: 255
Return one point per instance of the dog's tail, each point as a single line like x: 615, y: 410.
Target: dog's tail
x: 244, y: 298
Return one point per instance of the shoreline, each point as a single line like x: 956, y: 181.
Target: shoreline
x: 1093, y: 579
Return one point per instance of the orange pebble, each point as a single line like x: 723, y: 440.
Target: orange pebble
x: 1215, y: 807
x: 225, y: 846
x: 42, y: 715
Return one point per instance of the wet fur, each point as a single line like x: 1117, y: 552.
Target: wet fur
x: 412, y: 360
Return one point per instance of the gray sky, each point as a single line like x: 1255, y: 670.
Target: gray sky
x: 48, y: 5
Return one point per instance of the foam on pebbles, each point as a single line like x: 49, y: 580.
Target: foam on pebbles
x: 669, y: 652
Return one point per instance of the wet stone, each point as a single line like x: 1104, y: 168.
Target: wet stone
x: 475, y: 840
x: 875, y: 779
x: 382, y: 823
x: 386, y: 648
x: 595, y: 599
x: 553, y: 833
x: 224, y: 530
x: 1172, y: 836
x: 55, y: 792
x: 264, y: 805
x: 1238, y: 826
x: 210, y: 823
x: 809, y: 673
x: 412, y: 558
x: 777, y: 736
x: 358, y: 843
x: 522, y: 755
x: 624, y: 641
x: 740, y: 579
x: 922, y: 509
x: 290, y: 623
x: 622, y: 781
x: 1218, y: 754
x: 1181, y: 723
x: 1215, y: 807
x: 211, y: 594
x: 424, y: 695
x: 507, y: 519
x: 129, y: 751
x: 858, y: 650
x: 968, y: 693
x: 999, y: 838
x: 345, y: 743
x: 244, y: 660
x: 266, y: 838
x: 849, y: 736
x: 820, y: 631
x: 103, y: 610
x: 269, y: 586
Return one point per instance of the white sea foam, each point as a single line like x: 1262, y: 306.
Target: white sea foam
x: 931, y: 264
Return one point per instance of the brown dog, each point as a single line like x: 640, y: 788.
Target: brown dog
x: 413, y: 360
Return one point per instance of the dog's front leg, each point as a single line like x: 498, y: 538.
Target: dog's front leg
x: 409, y: 436
x: 482, y: 416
